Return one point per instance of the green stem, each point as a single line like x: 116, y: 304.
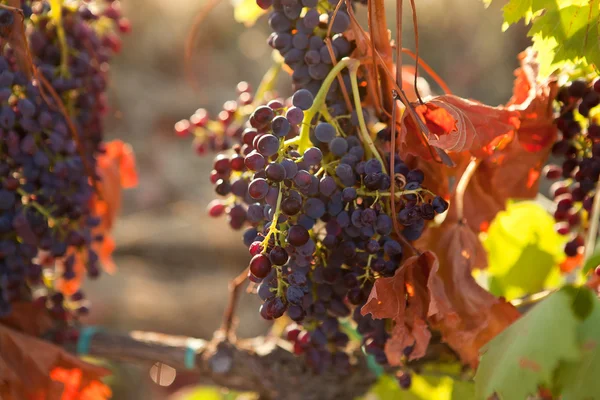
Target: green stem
x: 56, y: 14
x: 303, y: 140
x: 266, y: 84
x: 401, y: 193
x: 273, y: 228
x: 35, y: 204
x: 364, y: 133
x: 327, y: 116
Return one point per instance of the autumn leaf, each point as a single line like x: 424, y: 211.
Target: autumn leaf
x: 510, y: 173
x: 28, y: 318
x: 534, y: 101
x: 26, y: 363
x: 456, y: 125
x: 404, y: 298
x: 466, y: 314
x: 116, y: 169
x: 76, y: 389
x: 511, y: 165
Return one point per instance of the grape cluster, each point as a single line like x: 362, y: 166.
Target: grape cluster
x: 579, y: 149
x: 300, y: 29
x: 222, y: 132
x: 311, y: 191
x: 46, y: 169
x: 318, y: 223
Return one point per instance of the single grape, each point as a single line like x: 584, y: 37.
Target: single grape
x: 303, y: 99
x: 258, y: 188
x: 313, y: 156
x: 280, y: 126
x: 260, y: 265
x: 297, y: 235
x: 325, y: 132
x: 268, y: 145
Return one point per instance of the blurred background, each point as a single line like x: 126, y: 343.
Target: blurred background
x: 174, y: 263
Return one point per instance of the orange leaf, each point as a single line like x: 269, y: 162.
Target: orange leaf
x: 533, y: 99
x: 456, y: 125
x: 74, y: 388
x: 26, y: 364
x: 468, y: 316
x: 404, y: 298
x: 116, y: 169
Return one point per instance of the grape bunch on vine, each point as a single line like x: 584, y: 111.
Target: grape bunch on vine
x: 398, y: 234
x: 362, y: 197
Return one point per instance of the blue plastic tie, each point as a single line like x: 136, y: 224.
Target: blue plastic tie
x: 190, y: 352
x: 85, y: 338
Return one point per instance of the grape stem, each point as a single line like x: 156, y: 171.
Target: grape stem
x: 462, y: 187
x: 399, y: 194
x: 36, y: 205
x: 590, y: 241
x: 56, y: 12
x: 325, y: 113
x: 364, y: 134
x: 266, y: 84
x: 303, y: 140
x: 273, y: 228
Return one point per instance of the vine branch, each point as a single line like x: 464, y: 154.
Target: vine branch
x: 264, y: 364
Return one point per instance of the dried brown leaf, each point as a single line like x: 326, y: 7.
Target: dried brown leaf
x: 405, y: 299
x: 468, y: 315
x: 26, y: 363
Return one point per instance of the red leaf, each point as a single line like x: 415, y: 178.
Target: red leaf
x: 456, y: 125
x: 75, y: 388
x: 533, y: 99
x: 404, y: 298
x: 468, y: 316
x: 116, y: 168
x: 26, y: 364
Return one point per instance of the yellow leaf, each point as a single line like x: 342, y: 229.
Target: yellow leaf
x: 246, y: 11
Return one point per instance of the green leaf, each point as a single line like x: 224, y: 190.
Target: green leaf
x: 523, y: 251
x: 246, y: 11
x: 594, y: 259
x: 564, y: 31
x: 387, y: 388
x: 525, y: 356
x: 579, y: 380
x: 514, y: 10
x: 574, y: 26
x: 423, y: 387
x: 202, y: 393
x: 582, y: 301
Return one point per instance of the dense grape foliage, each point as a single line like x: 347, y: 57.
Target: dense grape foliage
x: 312, y: 191
x: 47, y: 157
x: 579, y: 151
